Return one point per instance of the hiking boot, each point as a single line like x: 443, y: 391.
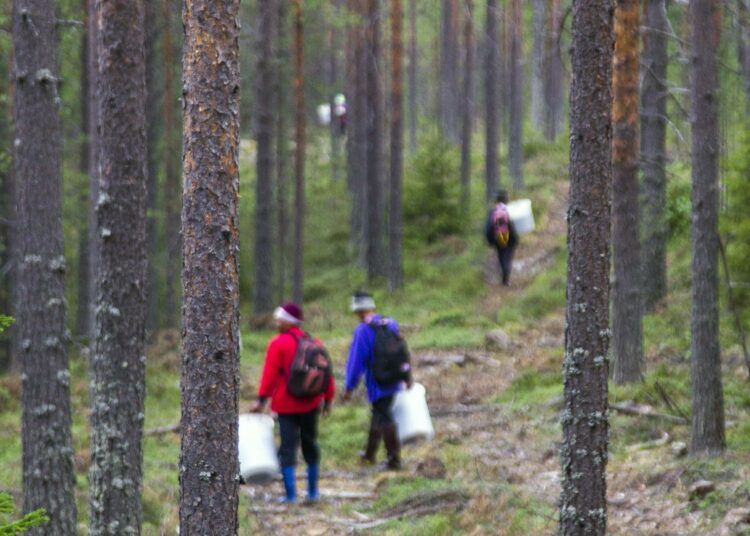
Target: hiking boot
x: 367, y: 457
x: 392, y: 447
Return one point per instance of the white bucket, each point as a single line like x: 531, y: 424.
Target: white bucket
x: 412, y: 415
x: 257, y: 450
x: 521, y: 215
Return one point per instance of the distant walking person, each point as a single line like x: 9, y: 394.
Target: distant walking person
x: 379, y: 353
x: 501, y: 233
x: 297, y: 378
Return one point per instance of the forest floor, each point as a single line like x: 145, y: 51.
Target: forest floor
x: 493, y: 465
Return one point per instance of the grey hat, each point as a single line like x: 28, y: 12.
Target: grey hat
x: 362, y: 301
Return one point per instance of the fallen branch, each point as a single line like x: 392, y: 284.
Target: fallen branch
x: 637, y: 411
x: 463, y: 409
x: 161, y: 430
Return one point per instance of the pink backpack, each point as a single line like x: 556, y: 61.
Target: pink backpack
x: 501, y: 222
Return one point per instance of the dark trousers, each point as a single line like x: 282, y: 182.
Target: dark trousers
x: 296, y: 427
x: 381, y: 411
x: 505, y: 256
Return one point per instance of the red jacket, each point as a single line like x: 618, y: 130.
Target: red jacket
x: 279, y: 356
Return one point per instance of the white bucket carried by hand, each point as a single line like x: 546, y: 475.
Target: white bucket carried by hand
x: 412, y: 415
x: 257, y: 450
x: 521, y: 215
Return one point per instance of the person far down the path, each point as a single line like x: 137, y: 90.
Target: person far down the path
x: 360, y: 362
x: 298, y: 416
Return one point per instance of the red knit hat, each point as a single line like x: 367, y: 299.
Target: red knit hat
x: 289, y: 312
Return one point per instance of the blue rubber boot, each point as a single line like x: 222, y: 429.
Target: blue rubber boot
x: 313, y: 472
x: 289, y: 485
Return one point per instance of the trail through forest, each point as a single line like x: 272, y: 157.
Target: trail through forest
x: 510, y: 458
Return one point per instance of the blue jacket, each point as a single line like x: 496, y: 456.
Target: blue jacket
x: 360, y: 361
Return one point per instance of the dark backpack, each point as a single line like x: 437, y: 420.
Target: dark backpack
x: 390, y: 362
x: 311, y: 369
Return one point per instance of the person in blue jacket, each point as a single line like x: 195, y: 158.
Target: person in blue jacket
x: 361, y: 354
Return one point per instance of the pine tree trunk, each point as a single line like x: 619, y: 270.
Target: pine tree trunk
x: 172, y: 191
x: 374, y: 228
x: 117, y: 365
x: 395, y: 269
x: 281, y: 81
x: 48, y: 475
x: 210, y: 231
x: 262, y: 260
x: 653, y: 114
x: 93, y: 242
x: 537, y: 65
x: 627, y: 329
x: 492, y: 112
x: 413, y: 64
x: 467, y: 105
x: 583, y: 505
x: 707, y: 430
x: 553, y: 93
x: 153, y: 133
x: 743, y: 47
x: 299, y: 152
x: 83, y: 299
x: 332, y: 68
x: 515, y: 132
x: 448, y: 88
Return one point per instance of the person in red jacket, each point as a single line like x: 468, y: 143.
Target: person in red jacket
x: 298, y: 417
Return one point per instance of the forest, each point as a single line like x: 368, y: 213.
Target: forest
x: 183, y: 182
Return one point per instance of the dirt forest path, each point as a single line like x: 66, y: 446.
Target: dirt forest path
x: 459, y: 384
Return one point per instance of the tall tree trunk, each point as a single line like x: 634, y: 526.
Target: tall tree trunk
x: 281, y: 81
x: 413, y: 63
x: 743, y: 46
x: 448, y: 87
x: 332, y: 38
x: 537, y: 65
x: 395, y: 270
x: 707, y: 429
x: 515, y: 132
x: 654, y: 230
x: 210, y: 282
x: 9, y: 337
x: 48, y: 475
x: 492, y: 112
x: 262, y: 264
x: 374, y: 227
x: 299, y: 152
x: 93, y: 242
x: 172, y: 193
x: 553, y: 93
x: 117, y: 365
x: 583, y: 504
x: 467, y: 105
x: 83, y: 305
x: 627, y: 329
x: 153, y: 133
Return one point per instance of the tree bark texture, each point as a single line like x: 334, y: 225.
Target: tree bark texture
x: 491, y: 104
x: 93, y: 243
x: 210, y: 230
x: 448, y: 87
x: 48, y: 476
x: 413, y: 69
x: 395, y: 269
x: 515, y: 131
x: 374, y: 224
x: 553, y: 91
x: 83, y: 305
x: 467, y: 105
x: 585, y: 426
x: 537, y: 64
x: 332, y: 74
x: 707, y: 435
x: 743, y: 46
x: 263, y: 258
x: 299, y: 153
x: 172, y: 191
x: 117, y: 365
x: 281, y: 81
x: 153, y: 98
x: 627, y: 329
x: 654, y: 232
